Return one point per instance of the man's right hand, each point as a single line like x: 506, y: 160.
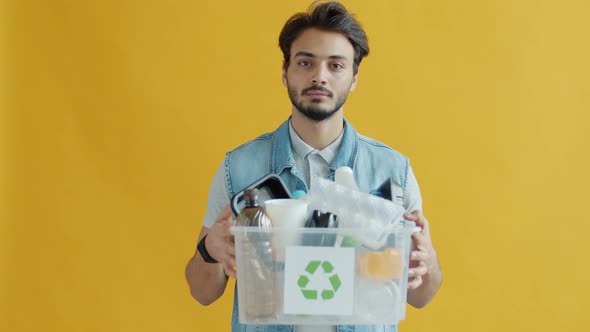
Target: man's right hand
x: 220, y: 242
x: 207, y: 281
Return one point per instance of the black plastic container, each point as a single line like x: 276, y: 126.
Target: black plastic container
x: 269, y: 187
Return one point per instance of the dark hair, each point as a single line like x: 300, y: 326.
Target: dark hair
x: 331, y: 16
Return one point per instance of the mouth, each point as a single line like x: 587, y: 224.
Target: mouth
x: 317, y: 94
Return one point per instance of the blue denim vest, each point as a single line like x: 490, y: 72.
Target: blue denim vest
x: 372, y: 163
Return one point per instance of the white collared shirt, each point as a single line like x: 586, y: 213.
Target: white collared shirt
x: 309, y: 161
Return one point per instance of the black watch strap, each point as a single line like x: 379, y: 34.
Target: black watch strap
x: 204, y: 253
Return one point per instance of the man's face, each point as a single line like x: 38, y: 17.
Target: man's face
x: 320, y: 76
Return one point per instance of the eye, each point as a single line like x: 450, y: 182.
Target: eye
x: 337, y: 66
x: 304, y: 63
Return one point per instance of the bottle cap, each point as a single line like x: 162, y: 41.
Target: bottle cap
x: 344, y: 169
x: 251, y: 194
x: 298, y: 193
x: 344, y: 176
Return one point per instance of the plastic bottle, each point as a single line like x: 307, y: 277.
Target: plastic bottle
x: 345, y: 177
x: 260, y: 301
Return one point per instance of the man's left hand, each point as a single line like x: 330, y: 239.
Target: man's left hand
x: 422, y: 257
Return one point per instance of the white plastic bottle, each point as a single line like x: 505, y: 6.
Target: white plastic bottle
x: 345, y: 177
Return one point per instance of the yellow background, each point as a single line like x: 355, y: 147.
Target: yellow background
x: 115, y: 115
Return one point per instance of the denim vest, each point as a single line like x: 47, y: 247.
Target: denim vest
x: 372, y: 163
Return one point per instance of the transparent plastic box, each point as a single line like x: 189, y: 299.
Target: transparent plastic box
x: 321, y: 276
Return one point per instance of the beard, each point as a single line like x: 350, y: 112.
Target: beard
x: 316, y: 111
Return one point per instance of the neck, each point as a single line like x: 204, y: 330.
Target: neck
x: 317, y: 134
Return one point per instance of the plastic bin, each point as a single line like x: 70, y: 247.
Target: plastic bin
x: 323, y: 276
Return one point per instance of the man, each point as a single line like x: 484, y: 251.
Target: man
x: 322, y: 51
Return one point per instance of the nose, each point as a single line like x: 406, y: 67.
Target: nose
x: 319, y: 76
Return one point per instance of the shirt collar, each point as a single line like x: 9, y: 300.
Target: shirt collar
x: 302, y: 149
x: 344, y: 148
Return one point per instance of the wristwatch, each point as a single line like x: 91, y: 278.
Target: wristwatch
x: 204, y: 253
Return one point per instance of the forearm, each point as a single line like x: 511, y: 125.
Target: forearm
x: 207, y: 281
x: 431, y: 283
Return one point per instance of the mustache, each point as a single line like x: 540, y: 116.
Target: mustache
x: 316, y: 88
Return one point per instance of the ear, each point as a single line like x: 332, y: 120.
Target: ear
x: 353, y: 84
x: 284, y: 75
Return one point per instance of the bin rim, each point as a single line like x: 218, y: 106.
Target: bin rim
x: 407, y: 227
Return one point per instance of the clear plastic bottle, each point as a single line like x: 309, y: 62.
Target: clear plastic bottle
x: 260, y: 280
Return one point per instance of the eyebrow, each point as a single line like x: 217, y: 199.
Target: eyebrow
x: 311, y: 55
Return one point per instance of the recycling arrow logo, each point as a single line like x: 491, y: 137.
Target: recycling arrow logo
x: 310, y: 272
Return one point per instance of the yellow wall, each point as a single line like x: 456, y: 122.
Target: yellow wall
x: 115, y: 115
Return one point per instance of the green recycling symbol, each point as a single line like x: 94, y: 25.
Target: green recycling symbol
x: 312, y: 294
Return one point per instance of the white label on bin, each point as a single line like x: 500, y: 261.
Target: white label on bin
x: 319, y: 280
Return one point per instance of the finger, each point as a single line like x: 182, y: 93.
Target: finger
x: 419, y: 256
x: 226, y: 223
x: 230, y: 257
x: 225, y: 215
x: 422, y: 222
x: 231, y: 251
x: 231, y: 262
x: 412, y: 216
x: 223, y: 226
x: 229, y: 271
x: 418, y: 271
x: 420, y: 241
x: 418, y: 237
x: 226, y: 258
x: 415, y: 282
x: 417, y: 217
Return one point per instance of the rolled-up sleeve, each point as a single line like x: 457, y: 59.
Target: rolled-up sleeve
x: 412, y: 196
x: 217, y: 198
